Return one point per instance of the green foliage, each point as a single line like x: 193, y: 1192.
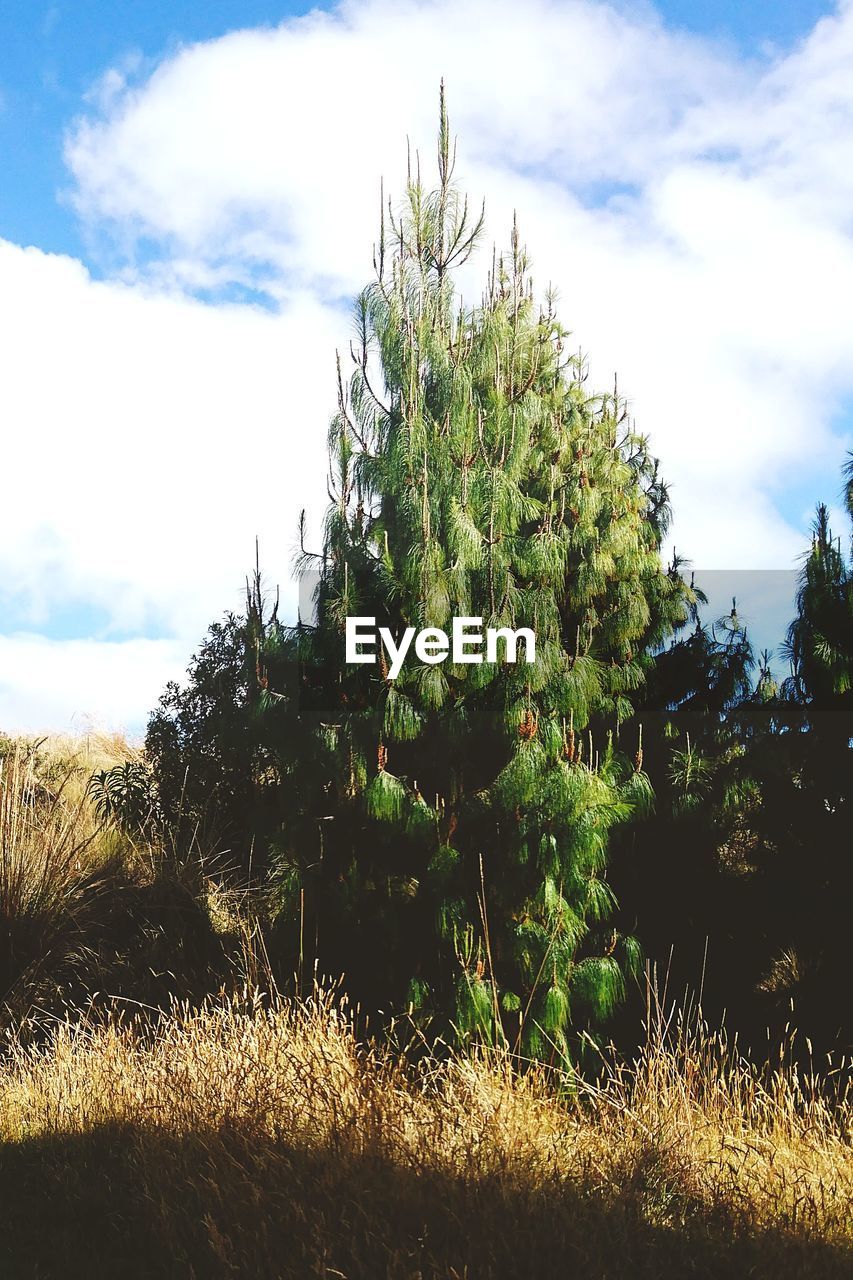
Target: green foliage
x: 213, y: 780
x: 820, y: 639
x: 450, y: 829
x: 199, y: 738
x: 126, y: 795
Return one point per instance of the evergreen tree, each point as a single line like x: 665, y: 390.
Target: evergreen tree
x: 216, y: 784
x: 808, y: 813
x: 820, y: 639
x: 685, y: 873
x: 446, y: 835
x: 749, y: 849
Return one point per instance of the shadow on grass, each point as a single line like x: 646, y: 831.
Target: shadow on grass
x: 136, y: 1203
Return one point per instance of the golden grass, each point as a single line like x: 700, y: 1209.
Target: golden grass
x: 76, y: 755
x: 44, y: 790
x: 260, y: 1138
x: 48, y: 871
x: 84, y: 905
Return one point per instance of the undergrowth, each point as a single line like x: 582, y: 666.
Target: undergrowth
x: 258, y: 1137
x: 165, y: 1112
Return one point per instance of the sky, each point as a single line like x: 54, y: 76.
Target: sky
x: 188, y: 203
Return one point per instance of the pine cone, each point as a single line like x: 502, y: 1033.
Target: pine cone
x: 527, y: 726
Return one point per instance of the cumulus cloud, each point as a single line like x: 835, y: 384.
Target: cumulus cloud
x: 48, y: 685
x: 692, y: 209
x: 148, y: 439
x: 263, y: 149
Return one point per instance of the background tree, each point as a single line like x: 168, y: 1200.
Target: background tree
x: 742, y: 877
x: 808, y: 810
x: 215, y: 776
x: 684, y: 872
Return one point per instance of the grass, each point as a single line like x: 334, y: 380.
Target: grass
x: 83, y: 905
x: 249, y: 1135
x: 51, y: 873
x: 259, y: 1138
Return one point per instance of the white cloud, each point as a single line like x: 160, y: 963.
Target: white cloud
x: 50, y: 686
x: 155, y: 435
x: 149, y: 438
x: 266, y: 146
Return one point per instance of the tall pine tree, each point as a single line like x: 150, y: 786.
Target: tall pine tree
x: 447, y: 832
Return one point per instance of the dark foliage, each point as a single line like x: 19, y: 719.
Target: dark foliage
x: 740, y: 882
x: 214, y: 776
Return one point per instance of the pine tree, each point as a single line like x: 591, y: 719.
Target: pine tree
x: 820, y: 639
x: 447, y: 833
x: 748, y: 851
x: 810, y: 809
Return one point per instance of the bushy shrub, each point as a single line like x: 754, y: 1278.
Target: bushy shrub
x: 203, y: 748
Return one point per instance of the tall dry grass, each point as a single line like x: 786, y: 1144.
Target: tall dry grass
x: 259, y: 1138
x: 85, y: 905
x: 52, y: 871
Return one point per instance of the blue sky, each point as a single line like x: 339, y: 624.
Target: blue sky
x: 680, y: 160
x: 50, y: 55
x: 750, y: 25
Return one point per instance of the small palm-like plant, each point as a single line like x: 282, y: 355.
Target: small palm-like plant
x: 126, y: 796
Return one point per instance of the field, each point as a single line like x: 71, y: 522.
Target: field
x: 246, y: 1134
x: 261, y: 1139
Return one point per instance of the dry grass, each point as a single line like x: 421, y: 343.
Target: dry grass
x: 73, y: 758
x: 261, y: 1139
x: 82, y: 902
x: 44, y: 799
x: 50, y: 870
